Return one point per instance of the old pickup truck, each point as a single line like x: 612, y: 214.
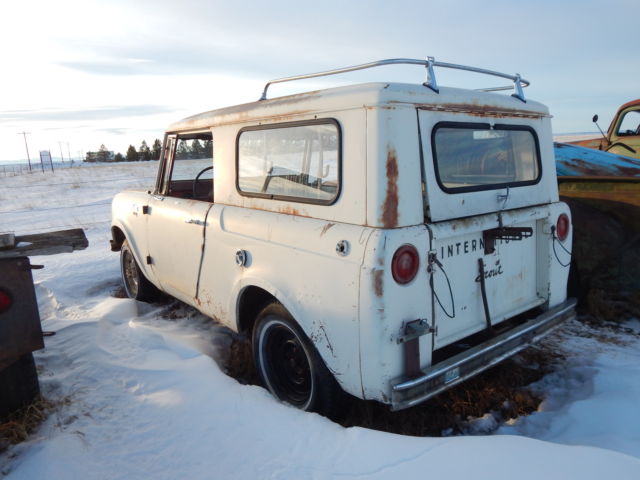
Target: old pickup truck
x: 386, y: 240
x: 623, y: 135
x: 599, y: 179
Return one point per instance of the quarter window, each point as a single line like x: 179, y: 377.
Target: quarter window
x: 189, y: 166
x: 478, y: 157
x: 294, y: 161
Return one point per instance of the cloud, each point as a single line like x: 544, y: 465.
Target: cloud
x: 96, y: 113
x: 115, y: 131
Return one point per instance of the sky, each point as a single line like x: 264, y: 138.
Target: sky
x: 79, y: 74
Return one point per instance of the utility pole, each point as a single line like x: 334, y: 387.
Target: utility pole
x: 69, y: 154
x: 24, y: 134
x: 61, y: 154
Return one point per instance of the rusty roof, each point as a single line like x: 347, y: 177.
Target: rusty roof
x: 391, y: 95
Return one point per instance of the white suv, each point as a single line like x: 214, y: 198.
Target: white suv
x: 386, y: 240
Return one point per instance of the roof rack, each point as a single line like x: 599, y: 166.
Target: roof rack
x: 518, y: 82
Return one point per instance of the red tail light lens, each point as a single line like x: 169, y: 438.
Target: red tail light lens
x: 405, y: 264
x: 562, y: 227
x: 5, y: 301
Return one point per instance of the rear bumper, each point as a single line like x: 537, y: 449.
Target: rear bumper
x: 440, y: 377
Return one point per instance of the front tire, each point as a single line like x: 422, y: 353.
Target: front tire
x: 289, y: 366
x: 136, y: 284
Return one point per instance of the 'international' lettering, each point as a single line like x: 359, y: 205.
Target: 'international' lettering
x: 468, y: 246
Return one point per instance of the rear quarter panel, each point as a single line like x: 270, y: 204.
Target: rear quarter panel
x: 295, y: 260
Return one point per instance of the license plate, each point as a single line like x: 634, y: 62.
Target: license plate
x: 452, y: 375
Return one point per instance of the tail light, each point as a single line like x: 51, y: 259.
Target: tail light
x: 405, y: 264
x: 5, y: 301
x: 562, y: 227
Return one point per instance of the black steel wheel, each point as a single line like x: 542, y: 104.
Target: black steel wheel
x: 289, y: 366
x: 136, y: 284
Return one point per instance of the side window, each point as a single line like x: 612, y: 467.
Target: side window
x: 300, y: 161
x: 189, y: 167
x: 630, y: 124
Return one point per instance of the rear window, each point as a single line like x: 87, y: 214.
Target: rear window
x: 470, y: 157
x: 299, y: 161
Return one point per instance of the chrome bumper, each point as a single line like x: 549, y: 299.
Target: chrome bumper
x: 454, y: 370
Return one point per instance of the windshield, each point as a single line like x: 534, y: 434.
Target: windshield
x: 477, y: 157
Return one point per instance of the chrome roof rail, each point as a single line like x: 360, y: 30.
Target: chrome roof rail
x: 518, y: 82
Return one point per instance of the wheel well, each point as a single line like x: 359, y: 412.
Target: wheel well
x: 117, y: 240
x: 252, y: 300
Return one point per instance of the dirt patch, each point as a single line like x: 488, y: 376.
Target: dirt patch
x: 175, y: 309
x: 236, y: 359
x: 119, y: 292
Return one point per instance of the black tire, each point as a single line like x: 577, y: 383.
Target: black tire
x: 289, y: 366
x: 18, y: 385
x: 136, y: 284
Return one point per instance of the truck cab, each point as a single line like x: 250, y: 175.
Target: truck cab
x: 386, y: 240
x: 623, y: 134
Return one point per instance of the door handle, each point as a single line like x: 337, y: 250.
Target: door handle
x: 194, y: 221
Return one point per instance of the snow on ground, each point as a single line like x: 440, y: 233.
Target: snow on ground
x: 141, y: 396
x: 574, y: 137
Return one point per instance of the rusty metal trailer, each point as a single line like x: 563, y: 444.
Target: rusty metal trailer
x: 20, y: 329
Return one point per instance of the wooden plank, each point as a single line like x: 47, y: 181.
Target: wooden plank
x: 49, y: 243
x: 7, y: 240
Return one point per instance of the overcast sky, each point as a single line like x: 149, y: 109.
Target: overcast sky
x: 77, y: 74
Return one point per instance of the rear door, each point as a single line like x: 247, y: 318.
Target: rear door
x: 511, y: 273
x: 482, y: 175
x: 470, y: 162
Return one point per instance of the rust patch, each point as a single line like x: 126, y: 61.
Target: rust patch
x: 326, y: 228
x: 378, y: 282
x: 390, y: 207
x: 623, y: 190
x: 482, y: 110
x: 258, y: 204
x: 289, y: 210
x: 593, y: 143
x: 628, y: 171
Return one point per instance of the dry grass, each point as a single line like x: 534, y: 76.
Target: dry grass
x: 17, y: 427
x: 610, y: 306
x: 500, y: 391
